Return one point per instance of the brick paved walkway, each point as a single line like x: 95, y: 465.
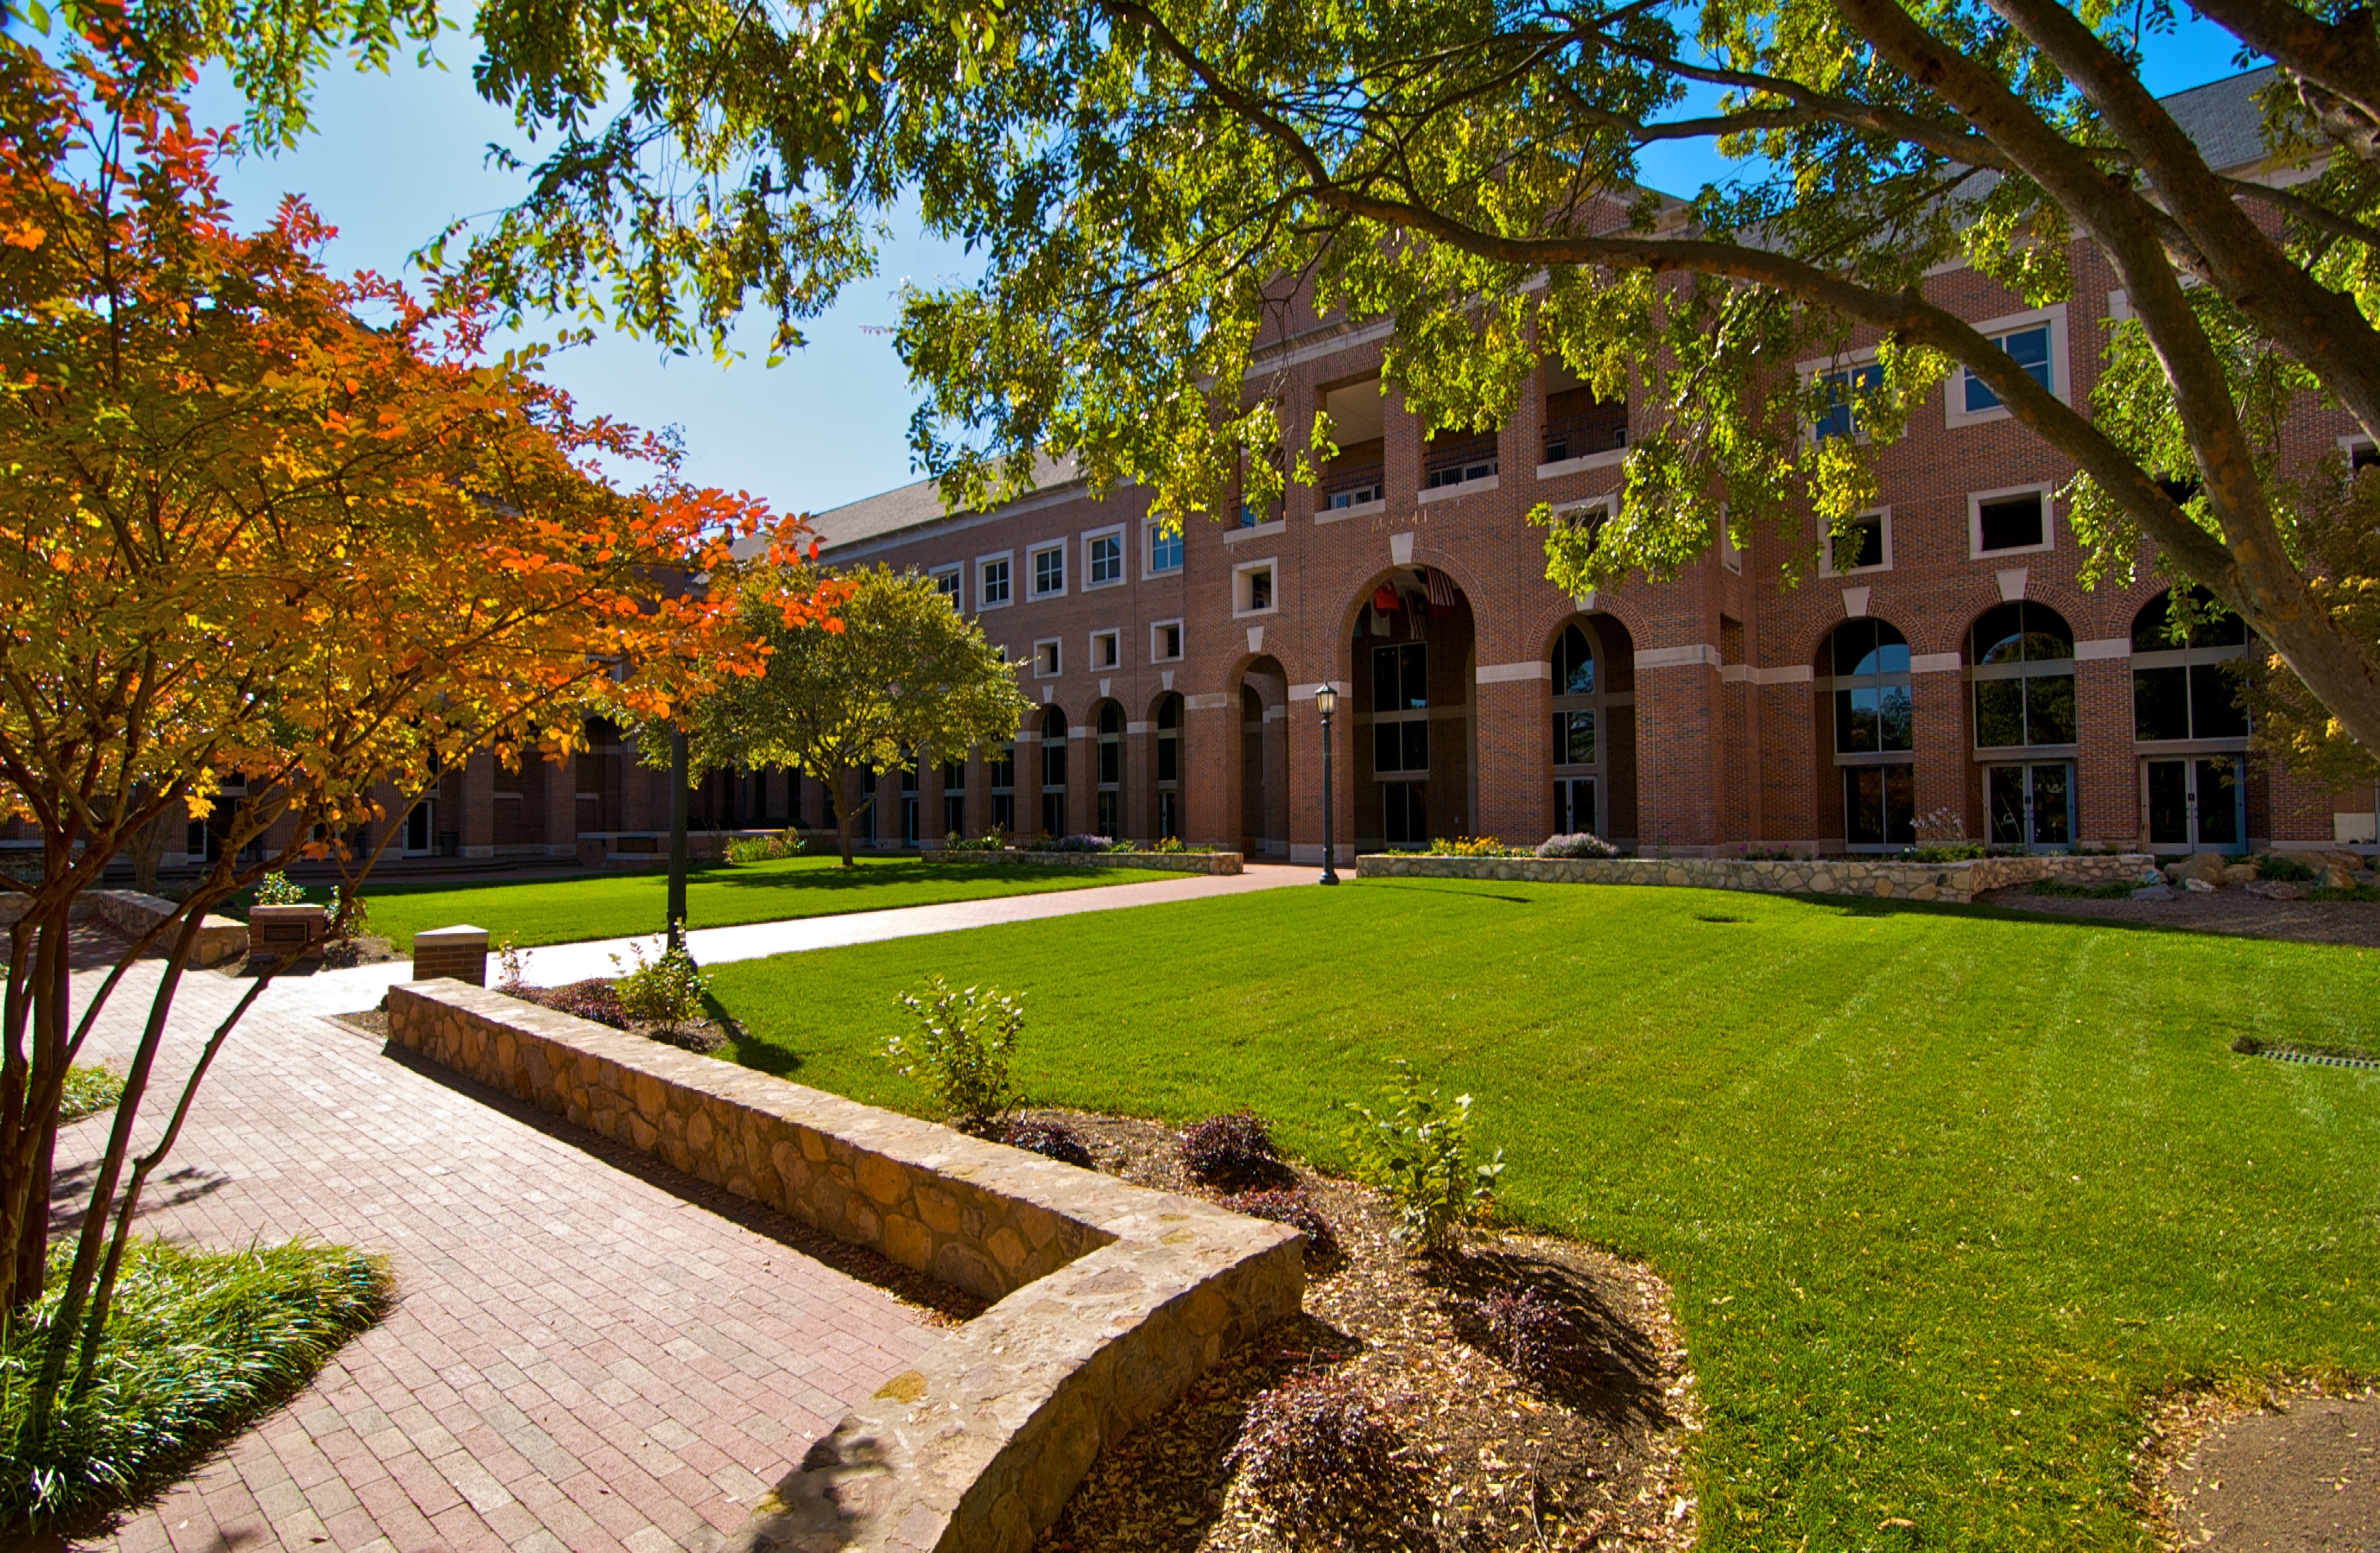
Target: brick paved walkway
x: 578, y: 1359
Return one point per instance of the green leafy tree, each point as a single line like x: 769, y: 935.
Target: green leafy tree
x: 896, y: 678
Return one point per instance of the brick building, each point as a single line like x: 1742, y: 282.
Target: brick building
x: 1948, y: 658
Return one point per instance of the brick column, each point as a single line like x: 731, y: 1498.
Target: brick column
x: 1210, y: 769
x: 2106, y: 777
x: 560, y: 778
x: 1945, y: 777
x: 1677, y: 763
x: 478, y: 821
x: 1515, y: 748
x: 1137, y: 807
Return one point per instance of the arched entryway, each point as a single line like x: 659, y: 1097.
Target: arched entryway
x: 1107, y: 769
x: 2021, y: 666
x: 1262, y: 701
x: 1053, y: 771
x: 1166, y: 802
x: 1594, y: 745
x: 1867, y: 723
x: 2189, y: 734
x: 1412, y: 660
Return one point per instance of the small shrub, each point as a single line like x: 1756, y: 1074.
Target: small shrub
x: 512, y: 967
x: 1469, y: 846
x: 1084, y: 844
x: 1293, y: 1208
x: 1767, y: 855
x: 1169, y: 844
x: 1234, y: 1150
x: 1530, y: 1332
x: 668, y: 991
x: 1051, y: 1140
x: 787, y: 843
x: 595, y: 998
x: 961, y: 1049
x: 274, y: 890
x: 352, y: 920
x: 1952, y: 852
x: 2288, y: 870
x: 1419, y: 1153
x: 1312, y: 1444
x: 990, y: 840
x: 90, y: 1089
x: 1577, y: 843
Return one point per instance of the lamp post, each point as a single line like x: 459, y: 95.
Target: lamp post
x: 678, y: 839
x: 1325, y: 701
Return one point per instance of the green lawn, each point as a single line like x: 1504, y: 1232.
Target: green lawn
x: 615, y: 905
x: 1946, y: 1195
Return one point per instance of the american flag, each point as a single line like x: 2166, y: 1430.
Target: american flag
x: 1441, y: 589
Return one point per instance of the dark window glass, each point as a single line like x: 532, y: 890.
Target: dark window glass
x: 1416, y: 744
x: 1110, y: 761
x: 2004, y: 804
x: 1003, y: 811
x: 1404, y: 814
x: 2214, y: 710
x: 1863, y: 545
x: 1111, y: 719
x: 1168, y: 759
x: 1839, y: 419
x: 2022, y: 632
x: 2219, y: 803
x: 2212, y: 624
x: 1414, y: 664
x: 1879, y: 806
x: 2052, y: 808
x: 2048, y: 709
x: 2161, y: 703
x: 1869, y: 646
x: 1387, y: 753
x: 2013, y: 524
x: 1574, y: 738
x: 1999, y: 713
x: 2169, y: 802
x: 1573, y: 664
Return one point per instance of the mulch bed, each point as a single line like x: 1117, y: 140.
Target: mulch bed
x: 2292, y: 1465
x: 2234, y: 912
x: 1585, y: 1452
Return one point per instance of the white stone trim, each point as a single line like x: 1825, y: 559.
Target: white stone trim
x: 2104, y: 647
x: 1501, y: 674
x: 1205, y: 703
x: 1692, y: 655
x: 1936, y: 664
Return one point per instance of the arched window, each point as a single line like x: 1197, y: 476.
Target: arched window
x: 1169, y: 767
x: 1053, y: 772
x: 2023, y: 655
x: 2188, y: 723
x: 1002, y: 769
x: 1875, y: 733
x: 1110, y: 769
x: 1578, y: 736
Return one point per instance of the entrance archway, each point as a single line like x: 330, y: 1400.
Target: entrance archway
x: 1166, y: 804
x: 1262, y: 724
x: 1593, y: 746
x: 1412, y: 659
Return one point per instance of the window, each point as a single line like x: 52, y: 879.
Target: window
x: 1053, y: 771
x: 1458, y: 458
x: 1111, y: 769
x: 2006, y: 522
x: 1839, y: 392
x: 955, y: 780
x: 2029, y: 807
x: 1879, y: 806
x: 909, y: 835
x: 1583, y: 694
x: 1165, y: 641
x: 1107, y: 650
x: 1047, y: 662
x: 1577, y: 424
x: 2184, y: 688
x: 1164, y: 547
x: 991, y: 584
x: 1401, y: 709
x: 1168, y: 766
x: 1049, y: 571
x: 2022, y: 658
x: 1362, y: 492
x: 1404, y: 814
x: 1874, y: 732
x: 1863, y: 545
x: 1103, y: 559
x: 2029, y: 347
x: 947, y: 579
x: 1003, y: 772
x: 2195, y: 804
x: 1252, y: 589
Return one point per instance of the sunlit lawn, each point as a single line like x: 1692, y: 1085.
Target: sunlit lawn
x: 1946, y: 1196
x: 615, y: 905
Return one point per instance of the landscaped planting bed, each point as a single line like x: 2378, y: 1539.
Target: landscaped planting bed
x: 1948, y: 1198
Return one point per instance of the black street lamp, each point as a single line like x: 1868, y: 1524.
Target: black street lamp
x: 1325, y: 701
x: 678, y: 839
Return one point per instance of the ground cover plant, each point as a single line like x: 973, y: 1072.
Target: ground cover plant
x: 196, y: 1344
x: 1948, y: 1196
x: 610, y: 905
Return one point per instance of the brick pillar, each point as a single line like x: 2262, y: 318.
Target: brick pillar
x: 2107, y: 780
x: 1945, y: 777
x: 1793, y: 771
x: 1676, y: 763
x: 1210, y: 769
x: 560, y: 778
x: 1515, y: 750
x: 478, y: 821
x: 1137, y: 802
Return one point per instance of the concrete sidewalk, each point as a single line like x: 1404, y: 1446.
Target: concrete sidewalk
x: 361, y: 987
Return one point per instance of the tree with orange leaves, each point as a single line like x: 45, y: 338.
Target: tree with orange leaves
x: 269, y: 526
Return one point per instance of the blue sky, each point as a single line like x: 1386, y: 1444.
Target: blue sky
x: 395, y: 157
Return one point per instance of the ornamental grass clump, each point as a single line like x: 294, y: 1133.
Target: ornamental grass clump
x: 1314, y: 1445
x: 787, y: 843
x: 1418, y: 1154
x: 961, y: 1051
x: 1576, y: 843
x: 1232, y: 1151
x: 1289, y: 1206
x: 1051, y: 1140
x: 196, y: 1344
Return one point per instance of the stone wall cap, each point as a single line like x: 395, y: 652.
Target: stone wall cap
x: 450, y: 935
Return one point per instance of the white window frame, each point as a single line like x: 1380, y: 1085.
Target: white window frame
x: 1149, y: 539
x: 1033, y: 555
x: 1123, y: 556
x: 1156, y: 640
x: 1115, y: 638
x: 982, y: 604
x: 1729, y: 556
x: 1824, y: 365
x: 1954, y: 396
x: 956, y: 573
x: 1977, y: 500
x: 1057, y: 658
x: 1827, y: 546
x: 2352, y: 445
x: 1240, y: 591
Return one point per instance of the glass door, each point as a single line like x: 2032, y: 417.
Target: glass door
x: 2201, y: 804
x: 418, y: 831
x: 2031, y: 806
x: 1574, y: 806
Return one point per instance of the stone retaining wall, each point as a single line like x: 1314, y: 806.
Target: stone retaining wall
x: 1892, y: 879
x: 222, y: 940
x: 1110, y: 1299
x: 1166, y: 862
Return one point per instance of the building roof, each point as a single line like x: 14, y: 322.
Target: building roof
x: 2223, y: 119
x: 913, y: 505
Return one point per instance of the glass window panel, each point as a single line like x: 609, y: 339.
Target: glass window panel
x: 1897, y: 724
x: 1573, y: 664
x: 2029, y: 349
x: 1998, y: 637
x: 2049, y: 709
x: 1387, y: 753
x: 2214, y: 711
x: 1863, y: 545
x: 2004, y: 804
x: 1855, y: 721
x: 1999, y: 713
x: 1854, y: 641
x: 1415, y: 659
x: 2013, y: 524
x: 1578, y: 743
x: 1900, y: 804
x: 1168, y: 759
x: 1384, y: 679
x: 1110, y: 761
x: 2161, y: 703
x: 1416, y: 744
x: 2052, y: 790
x: 1164, y: 549
x: 2218, y: 802
x: 2169, y: 802
x: 1863, y: 804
